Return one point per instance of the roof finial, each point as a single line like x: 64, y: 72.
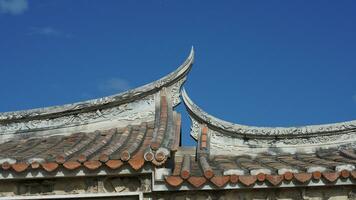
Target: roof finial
x: 191, y: 54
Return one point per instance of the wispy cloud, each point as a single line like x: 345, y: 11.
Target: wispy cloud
x: 354, y: 98
x: 13, y: 7
x: 49, y: 32
x: 115, y: 85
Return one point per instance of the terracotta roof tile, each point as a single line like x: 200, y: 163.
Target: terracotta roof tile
x: 272, y: 169
x: 197, y: 181
x: 113, y: 147
x: 247, y: 180
x: 174, y: 181
x: 114, y: 164
x: 160, y: 130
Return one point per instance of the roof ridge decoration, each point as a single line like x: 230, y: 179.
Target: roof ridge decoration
x: 133, y: 106
x: 229, y: 138
x: 263, y: 131
x: 129, y: 95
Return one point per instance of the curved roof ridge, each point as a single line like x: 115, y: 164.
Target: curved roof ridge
x: 198, y: 114
x: 94, y: 104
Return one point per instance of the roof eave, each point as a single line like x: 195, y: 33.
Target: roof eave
x: 95, y: 104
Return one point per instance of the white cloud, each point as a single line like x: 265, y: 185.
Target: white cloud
x: 115, y: 85
x: 14, y: 7
x: 48, y: 31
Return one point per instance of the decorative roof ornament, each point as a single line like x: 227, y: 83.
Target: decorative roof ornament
x: 203, y: 116
x: 125, y: 130
x: 125, y: 107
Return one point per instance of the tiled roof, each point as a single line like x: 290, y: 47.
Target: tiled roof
x: 151, y: 142
x: 327, y: 165
x: 131, y: 128
x: 236, y: 156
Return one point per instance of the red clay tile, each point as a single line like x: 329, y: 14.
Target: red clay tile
x: 185, y: 172
x: 125, y: 155
x: 49, y: 166
x: 102, y: 140
x: 92, y: 164
x: 345, y: 174
x: 234, y: 179
x: 220, y: 181
x: 60, y: 159
x: 174, y: 181
x: 35, y: 165
x: 261, y: 177
x: 137, y: 141
x: 316, y: 175
x: 156, y: 143
x: 103, y: 157
x: 197, y: 181
x: 204, y: 130
x: 203, y: 144
x: 114, y: 164
x: 71, y: 165
x: 288, y: 176
x: 160, y: 156
x: 208, y: 172
x: 5, y: 166
x: 82, y: 158
x: 158, y: 163
x: 148, y: 156
x: 137, y: 162
x: 247, y: 180
x: 331, y: 176
x: 117, y: 142
x: 178, y: 122
x: 204, y: 138
x: 274, y: 179
x: 302, y: 177
x: 19, y: 167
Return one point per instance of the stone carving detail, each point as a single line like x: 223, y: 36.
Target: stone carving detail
x: 322, y: 139
x: 141, y: 109
x: 125, y: 184
x: 91, y: 185
x: 296, y: 193
x: 270, y: 132
x: 233, y: 144
x: 175, y: 91
x: 195, y: 128
x: 145, y: 184
x: 35, y: 187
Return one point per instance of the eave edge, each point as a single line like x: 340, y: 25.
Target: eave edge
x: 94, y: 104
x: 267, y: 132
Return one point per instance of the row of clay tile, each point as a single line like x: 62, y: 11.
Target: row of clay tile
x: 249, y: 180
x: 92, y: 150
x: 136, y: 163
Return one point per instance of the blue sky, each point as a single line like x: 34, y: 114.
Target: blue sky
x: 266, y: 63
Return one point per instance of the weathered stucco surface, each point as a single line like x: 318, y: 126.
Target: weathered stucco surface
x: 95, y: 185
x: 311, y: 193
x: 66, y: 186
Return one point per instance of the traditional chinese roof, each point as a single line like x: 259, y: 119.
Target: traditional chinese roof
x: 201, y: 171
x: 238, y: 156
x: 233, y: 139
x: 133, y: 128
x: 138, y: 131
